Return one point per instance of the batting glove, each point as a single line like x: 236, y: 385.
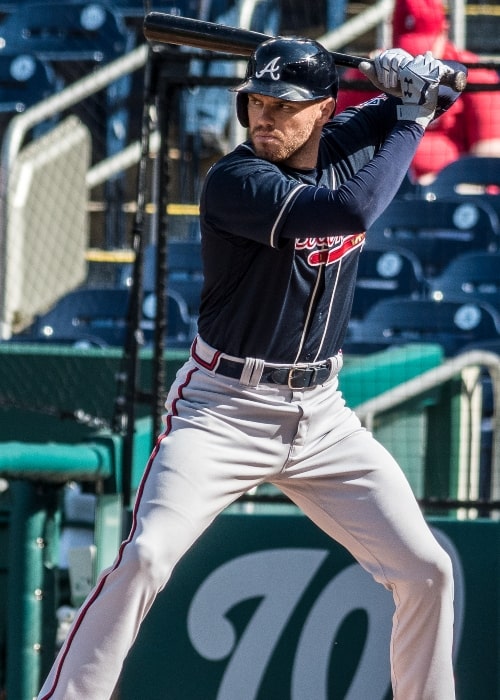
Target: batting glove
x: 385, y: 68
x: 419, y: 81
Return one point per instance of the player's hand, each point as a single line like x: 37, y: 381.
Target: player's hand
x: 419, y: 81
x: 385, y: 68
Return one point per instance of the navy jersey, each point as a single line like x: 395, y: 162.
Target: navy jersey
x: 280, y: 247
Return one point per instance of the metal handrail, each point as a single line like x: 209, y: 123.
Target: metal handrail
x: 69, y: 96
x: 20, y: 125
x: 377, y: 14
x: 433, y: 378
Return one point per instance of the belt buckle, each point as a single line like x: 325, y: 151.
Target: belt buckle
x: 299, y: 378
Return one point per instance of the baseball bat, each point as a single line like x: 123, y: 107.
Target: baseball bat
x: 186, y: 31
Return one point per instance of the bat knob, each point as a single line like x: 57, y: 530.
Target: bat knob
x: 459, y: 81
x: 456, y: 79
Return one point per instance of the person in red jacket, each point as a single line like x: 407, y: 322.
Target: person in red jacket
x: 472, y: 125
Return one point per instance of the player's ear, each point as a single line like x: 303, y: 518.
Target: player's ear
x: 328, y: 109
x: 242, y: 108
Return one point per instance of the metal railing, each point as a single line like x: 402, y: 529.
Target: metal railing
x: 369, y: 411
x: 377, y: 15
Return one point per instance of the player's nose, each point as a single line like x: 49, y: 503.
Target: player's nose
x: 265, y: 115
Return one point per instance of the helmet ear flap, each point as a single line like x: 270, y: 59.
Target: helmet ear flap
x: 242, y: 108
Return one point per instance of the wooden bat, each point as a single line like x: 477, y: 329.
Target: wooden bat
x: 186, y: 31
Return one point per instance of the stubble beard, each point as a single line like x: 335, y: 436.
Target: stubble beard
x: 278, y: 150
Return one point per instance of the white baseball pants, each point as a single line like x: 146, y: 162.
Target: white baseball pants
x: 222, y: 439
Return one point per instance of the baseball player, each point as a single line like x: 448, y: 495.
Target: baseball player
x: 283, y: 219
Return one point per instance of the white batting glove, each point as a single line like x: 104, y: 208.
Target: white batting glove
x: 385, y: 68
x: 419, y: 81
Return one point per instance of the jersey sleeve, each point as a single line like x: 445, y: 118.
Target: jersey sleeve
x: 246, y: 196
x: 356, y: 204
x: 369, y: 172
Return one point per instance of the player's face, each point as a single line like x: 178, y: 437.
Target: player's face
x: 287, y: 132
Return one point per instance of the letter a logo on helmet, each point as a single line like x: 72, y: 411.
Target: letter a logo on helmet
x: 273, y: 68
x: 288, y: 68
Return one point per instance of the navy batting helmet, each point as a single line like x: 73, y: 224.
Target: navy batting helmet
x: 289, y: 68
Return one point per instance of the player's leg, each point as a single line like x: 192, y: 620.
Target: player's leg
x: 199, y: 466
x: 90, y: 661
x: 355, y: 491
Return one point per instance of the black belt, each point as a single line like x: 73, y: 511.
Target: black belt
x: 293, y: 377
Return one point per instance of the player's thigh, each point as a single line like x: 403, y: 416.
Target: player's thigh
x: 181, y: 493
x: 365, y: 502
x: 202, y: 463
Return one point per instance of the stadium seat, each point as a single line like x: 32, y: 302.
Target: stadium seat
x: 181, y: 327
x: 24, y: 80
x: 69, y: 35
x: 100, y: 317
x: 75, y: 38
x: 474, y: 177
x: 185, y: 274
x: 184, y: 269
x: 451, y: 324
x: 135, y: 8
x: 184, y: 257
x: 386, y: 272
x: 94, y: 316
x: 436, y: 231
x: 472, y: 277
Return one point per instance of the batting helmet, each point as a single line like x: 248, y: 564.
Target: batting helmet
x: 289, y: 68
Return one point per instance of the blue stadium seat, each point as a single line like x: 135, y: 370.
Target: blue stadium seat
x: 75, y: 38
x: 135, y: 8
x: 476, y: 178
x: 24, y: 81
x: 84, y: 316
x: 185, y: 275
x: 385, y: 272
x: 63, y: 33
x: 436, y: 231
x: 100, y: 317
x: 451, y: 324
x: 181, y: 327
x: 469, y: 277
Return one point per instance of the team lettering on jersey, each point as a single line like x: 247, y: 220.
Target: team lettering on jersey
x: 328, y: 249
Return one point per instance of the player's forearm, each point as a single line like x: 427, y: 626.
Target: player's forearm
x: 357, y: 203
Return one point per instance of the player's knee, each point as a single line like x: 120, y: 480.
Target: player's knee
x: 435, y: 573
x: 149, y: 563
x: 441, y: 573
